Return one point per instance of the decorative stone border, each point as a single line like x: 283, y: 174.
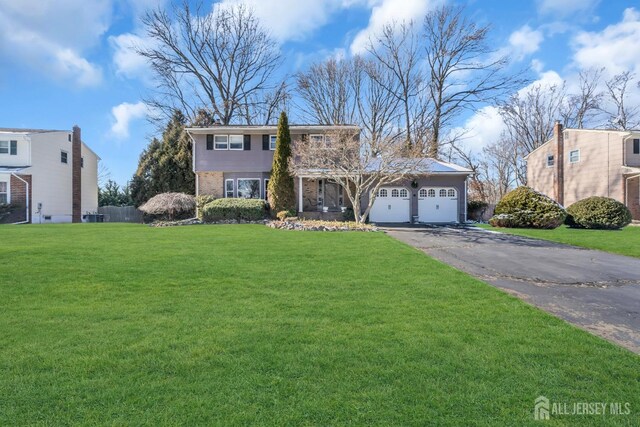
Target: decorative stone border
x: 311, y: 225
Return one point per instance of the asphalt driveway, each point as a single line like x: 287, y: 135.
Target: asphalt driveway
x: 597, y: 291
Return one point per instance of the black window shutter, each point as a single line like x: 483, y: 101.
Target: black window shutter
x: 209, y: 142
x: 304, y: 137
x: 636, y: 146
x: 247, y: 142
x: 265, y: 142
x: 14, y: 148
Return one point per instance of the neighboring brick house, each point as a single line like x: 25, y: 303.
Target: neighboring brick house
x: 236, y: 161
x: 579, y: 163
x: 47, y: 175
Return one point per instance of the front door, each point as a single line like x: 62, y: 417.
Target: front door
x: 331, y: 195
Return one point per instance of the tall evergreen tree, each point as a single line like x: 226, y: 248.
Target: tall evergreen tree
x: 281, y: 192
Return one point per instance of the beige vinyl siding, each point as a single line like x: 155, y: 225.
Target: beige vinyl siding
x: 539, y: 176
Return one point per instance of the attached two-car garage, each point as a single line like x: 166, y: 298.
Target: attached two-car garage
x: 434, y: 205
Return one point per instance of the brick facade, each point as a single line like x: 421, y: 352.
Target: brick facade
x: 76, y: 175
x: 211, y: 183
x: 18, y: 199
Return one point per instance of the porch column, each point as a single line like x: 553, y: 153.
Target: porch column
x: 300, y: 190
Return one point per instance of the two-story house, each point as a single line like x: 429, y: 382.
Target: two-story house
x: 579, y: 163
x: 236, y: 161
x: 47, y: 175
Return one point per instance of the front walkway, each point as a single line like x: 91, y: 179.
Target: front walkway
x: 597, y: 291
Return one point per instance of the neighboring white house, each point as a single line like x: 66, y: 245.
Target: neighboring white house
x: 47, y: 175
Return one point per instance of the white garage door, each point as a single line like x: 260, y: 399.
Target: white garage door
x: 392, y: 204
x: 438, y: 204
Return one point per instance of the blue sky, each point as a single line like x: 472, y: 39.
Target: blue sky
x: 66, y: 62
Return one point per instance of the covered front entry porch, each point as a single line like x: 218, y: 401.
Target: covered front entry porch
x: 320, y: 198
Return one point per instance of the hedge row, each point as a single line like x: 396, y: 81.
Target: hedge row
x: 233, y: 209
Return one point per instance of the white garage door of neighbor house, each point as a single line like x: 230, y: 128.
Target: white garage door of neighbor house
x: 392, y: 204
x: 437, y: 204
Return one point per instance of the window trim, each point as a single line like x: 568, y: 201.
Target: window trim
x: 553, y: 160
x: 233, y: 188
x: 8, y: 192
x: 215, y: 143
x: 579, y: 156
x: 241, y: 142
x: 275, y: 138
x: 248, y: 179
x: 311, y: 136
x: 8, y: 149
x: 66, y: 157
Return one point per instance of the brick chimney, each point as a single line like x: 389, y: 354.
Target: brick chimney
x: 558, y: 138
x: 76, y: 175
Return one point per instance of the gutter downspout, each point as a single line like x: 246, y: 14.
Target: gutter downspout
x: 27, y: 199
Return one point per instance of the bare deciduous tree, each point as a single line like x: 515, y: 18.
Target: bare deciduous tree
x: 360, y: 165
x: 223, y: 61
x: 582, y: 107
x: 622, y: 116
x: 462, y: 68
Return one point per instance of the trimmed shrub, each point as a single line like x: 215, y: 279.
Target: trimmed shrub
x: 526, y: 208
x: 201, y: 201
x: 348, y: 215
x: 234, y: 209
x: 598, y: 212
x: 476, y: 209
x: 169, y: 207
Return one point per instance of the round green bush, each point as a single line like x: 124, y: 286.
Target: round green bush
x: 598, y: 212
x: 526, y: 208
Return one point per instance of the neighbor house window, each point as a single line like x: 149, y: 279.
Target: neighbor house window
x: 248, y: 188
x: 574, y: 156
x: 236, y: 142
x: 636, y: 146
x: 64, y: 157
x: 550, y: 160
x: 221, y: 142
x: 4, y: 147
x: 81, y: 162
x: 272, y: 142
x: 13, y: 148
x: 209, y: 142
x: 228, y: 188
x: 4, y: 193
x: 266, y: 189
x: 318, y: 139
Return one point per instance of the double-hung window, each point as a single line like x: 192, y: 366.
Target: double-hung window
x: 550, y: 160
x: 236, y: 142
x: 248, y: 188
x: 272, y: 142
x: 574, y: 156
x: 228, y: 188
x: 318, y: 139
x: 64, y: 157
x: 4, y: 192
x: 4, y: 147
x: 221, y: 142
x: 636, y: 146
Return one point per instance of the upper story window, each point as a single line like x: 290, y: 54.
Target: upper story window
x: 236, y: 142
x: 272, y: 142
x: 209, y: 142
x: 64, y: 157
x: 636, y: 146
x: 81, y: 162
x: 550, y: 160
x: 221, y: 142
x: 9, y: 147
x: 574, y: 156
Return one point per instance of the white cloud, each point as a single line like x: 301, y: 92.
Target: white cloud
x: 525, y: 41
x: 294, y: 19
x: 50, y: 35
x: 386, y: 11
x: 565, y: 8
x: 125, y: 58
x: 124, y: 114
x: 615, y: 47
x: 484, y: 127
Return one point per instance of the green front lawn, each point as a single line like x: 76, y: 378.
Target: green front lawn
x: 624, y: 242
x: 127, y: 324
